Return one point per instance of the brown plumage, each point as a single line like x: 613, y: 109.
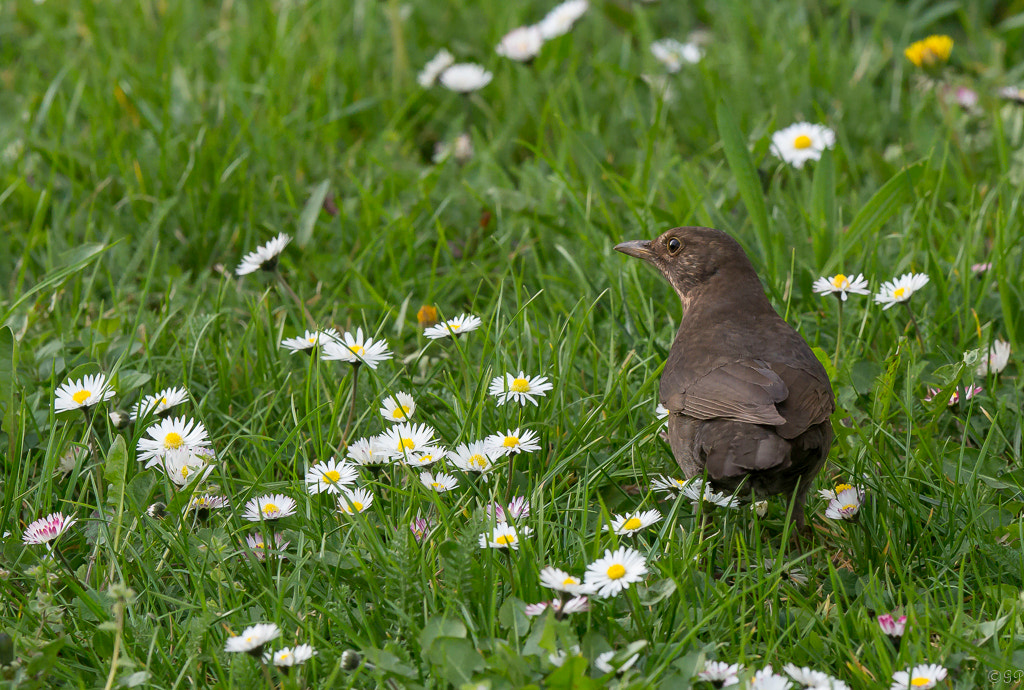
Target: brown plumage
x: 748, y: 401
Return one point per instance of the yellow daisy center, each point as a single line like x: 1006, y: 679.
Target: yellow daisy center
x: 312, y: 340
x: 899, y: 292
x: 356, y: 349
x: 802, y: 142
x: 920, y: 681
x: 848, y: 507
x: 426, y: 458
x: 284, y: 655
x: 270, y: 508
x: 510, y: 442
x: 185, y: 471
x: 680, y: 482
x: 632, y: 523
x: 437, y: 485
x: 163, y: 401
x: 357, y: 506
x: 616, y: 571
x: 478, y: 460
x: 840, y: 282
x: 332, y: 476
x: 842, y: 487
x: 520, y: 386
x: 454, y: 326
x: 401, y: 412
x: 505, y: 539
x: 81, y: 396
x: 569, y: 581
x: 173, y: 440
x: 406, y: 444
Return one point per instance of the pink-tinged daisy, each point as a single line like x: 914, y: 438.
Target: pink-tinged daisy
x: 439, y: 482
x: 978, y: 269
x: 264, y: 258
x: 802, y: 142
x: 893, y: 627
x: 463, y: 323
x: 918, y: 678
x: 420, y: 528
x: 47, y: 529
x: 846, y: 504
x: 258, y: 547
x: 615, y: 571
x: 330, y: 475
x: 269, y: 507
x: 721, y: 674
x: 472, y: 457
x: 293, y: 656
x: 574, y: 605
x: 512, y: 442
x: 310, y: 341
x: 517, y: 509
x: 504, y: 536
x: 900, y: 289
x: 85, y: 392
x: 465, y: 77
x: 996, y: 360
x: 354, y: 501
x: 841, y: 286
x: 169, y: 435
x: 252, y: 639
x: 561, y: 581
x: 404, y: 440
x: 160, y: 403
x: 969, y: 393
x: 522, y: 44
x: 628, y: 525
x: 432, y: 70
x: 521, y: 389
x: 397, y: 407
x: 560, y: 20
x: 355, y: 350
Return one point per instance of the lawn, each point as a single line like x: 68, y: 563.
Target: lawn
x: 242, y: 498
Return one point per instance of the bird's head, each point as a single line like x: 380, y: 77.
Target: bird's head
x: 692, y: 259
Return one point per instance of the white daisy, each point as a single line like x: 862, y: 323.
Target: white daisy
x: 160, y: 403
x: 670, y: 485
x: 520, y: 389
x: 269, y: 507
x: 628, y: 525
x: 463, y: 323
x: 720, y: 673
x: 603, y: 663
x: 420, y: 528
x: 802, y: 142
x: 356, y: 350
x: 293, y: 656
x: 504, y: 536
x: 574, y: 605
x: 472, y: 457
x: 253, y: 638
x: 517, y: 509
x: 766, y: 679
x: 354, y: 501
x: 512, y: 442
x: 892, y: 626
x: 522, y: 44
x: 901, y: 289
x: 85, y: 392
x: 808, y: 676
x: 697, y: 490
x: 846, y: 504
x: 829, y: 494
x: 661, y: 412
x: 841, y: 286
x: 560, y: 20
x: 265, y: 257
x: 673, y: 54
x: 439, y: 63
x: 439, y: 482
x: 310, y: 341
x: 47, y: 529
x: 465, y: 77
x: 426, y: 456
x: 330, y: 475
x: 403, y: 440
x: 397, y: 407
x: 615, y: 571
x: 369, y: 451
x: 170, y: 435
x: 203, y: 504
x: 561, y: 581
x: 185, y: 465
x: 919, y: 678
x: 996, y: 360
x: 258, y: 547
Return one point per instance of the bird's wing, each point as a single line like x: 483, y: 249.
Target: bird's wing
x: 810, y: 399
x: 745, y: 391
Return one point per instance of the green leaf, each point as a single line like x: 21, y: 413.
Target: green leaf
x: 8, y: 382
x: 310, y: 212
x: 439, y: 626
x: 455, y: 658
x: 747, y: 181
x: 71, y: 261
x: 572, y: 676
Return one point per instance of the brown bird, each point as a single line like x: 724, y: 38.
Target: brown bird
x: 748, y: 401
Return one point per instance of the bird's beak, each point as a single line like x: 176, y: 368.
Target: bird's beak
x: 641, y: 249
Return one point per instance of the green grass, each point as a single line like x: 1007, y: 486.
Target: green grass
x: 148, y: 146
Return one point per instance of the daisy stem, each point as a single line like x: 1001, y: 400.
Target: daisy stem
x: 913, y: 320
x: 839, y: 335
x: 302, y: 306
x: 508, y: 487
x: 67, y: 566
x: 266, y: 674
x: 352, y: 406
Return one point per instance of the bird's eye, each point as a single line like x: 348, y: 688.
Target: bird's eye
x: 674, y: 246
